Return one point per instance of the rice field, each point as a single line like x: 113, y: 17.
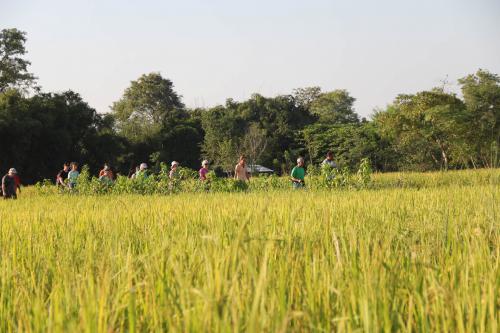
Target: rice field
x: 419, y: 254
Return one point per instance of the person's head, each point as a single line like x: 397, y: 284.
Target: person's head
x: 242, y: 160
x: 174, y: 164
x: 65, y: 166
x: 12, y: 172
x: 106, y: 167
x: 74, y: 165
x: 143, y: 166
x: 329, y: 155
x: 300, y: 161
x: 204, y: 164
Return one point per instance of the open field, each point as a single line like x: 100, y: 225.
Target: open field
x: 420, y: 252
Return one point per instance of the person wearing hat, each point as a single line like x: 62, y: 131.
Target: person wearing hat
x: 204, y: 170
x: 173, y: 174
x: 298, y: 174
x: 10, y: 185
x: 143, y: 171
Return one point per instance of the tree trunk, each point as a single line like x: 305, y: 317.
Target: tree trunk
x: 444, y: 156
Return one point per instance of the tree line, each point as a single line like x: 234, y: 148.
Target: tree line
x: 429, y: 130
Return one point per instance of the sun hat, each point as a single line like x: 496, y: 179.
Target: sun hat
x: 205, y: 162
x: 175, y: 163
x: 12, y: 171
x: 143, y: 166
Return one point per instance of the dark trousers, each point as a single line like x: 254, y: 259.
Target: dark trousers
x: 10, y: 195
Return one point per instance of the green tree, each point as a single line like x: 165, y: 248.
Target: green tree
x: 481, y: 93
x: 254, y: 144
x: 223, y: 129
x: 13, y: 67
x: 350, y: 143
x: 149, y: 104
x: 427, y: 128
x: 278, y: 119
x: 304, y: 97
x: 39, y: 133
x: 335, y: 107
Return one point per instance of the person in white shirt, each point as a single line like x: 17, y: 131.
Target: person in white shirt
x: 329, y: 160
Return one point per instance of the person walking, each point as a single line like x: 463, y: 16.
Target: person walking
x: 298, y: 174
x: 106, y: 170
x: 106, y: 175
x: 143, y: 171
x: 240, y: 171
x: 133, y: 170
x: 73, y: 175
x: 9, y: 187
x: 204, y: 170
x: 173, y: 174
x: 62, y: 175
x: 329, y: 160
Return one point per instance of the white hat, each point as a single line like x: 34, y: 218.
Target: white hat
x: 143, y: 166
x: 175, y: 163
x: 12, y: 171
x: 205, y: 162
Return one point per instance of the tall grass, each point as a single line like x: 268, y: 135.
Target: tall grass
x: 406, y: 259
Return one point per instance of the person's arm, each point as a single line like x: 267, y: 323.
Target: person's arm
x: 236, y: 171
x: 3, y: 185
x: 294, y: 179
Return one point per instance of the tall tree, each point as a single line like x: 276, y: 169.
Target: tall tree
x: 13, y: 67
x: 254, y: 143
x: 481, y: 93
x: 335, y: 107
x: 304, y: 97
x: 350, y: 143
x: 38, y: 134
x: 427, y: 128
x: 146, y: 107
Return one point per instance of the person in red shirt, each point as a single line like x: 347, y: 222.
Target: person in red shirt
x: 17, y: 181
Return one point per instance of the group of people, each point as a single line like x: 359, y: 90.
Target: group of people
x: 68, y: 176
x: 298, y: 172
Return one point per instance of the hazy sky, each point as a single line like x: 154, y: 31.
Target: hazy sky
x: 216, y: 49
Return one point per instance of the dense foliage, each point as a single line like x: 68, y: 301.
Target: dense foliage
x: 429, y: 130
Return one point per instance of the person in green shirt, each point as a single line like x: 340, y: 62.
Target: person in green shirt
x: 298, y: 174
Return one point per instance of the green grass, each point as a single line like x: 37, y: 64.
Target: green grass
x: 401, y: 258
